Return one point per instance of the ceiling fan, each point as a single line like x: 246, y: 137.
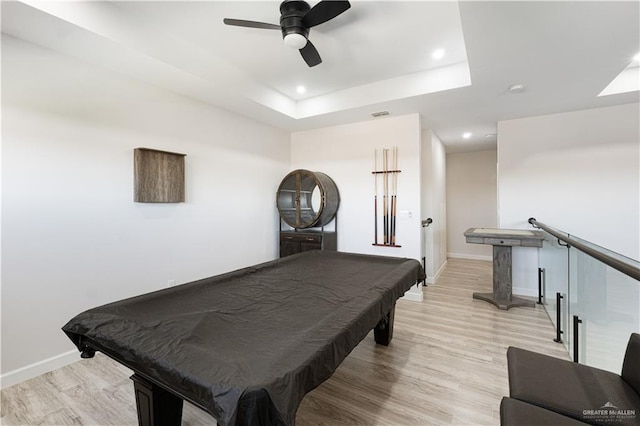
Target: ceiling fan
x: 296, y: 18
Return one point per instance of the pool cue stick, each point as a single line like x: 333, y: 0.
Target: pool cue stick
x: 395, y: 191
x: 385, y: 185
x: 394, y: 195
x: 393, y: 199
x: 389, y: 182
x: 388, y: 198
x: 375, y: 197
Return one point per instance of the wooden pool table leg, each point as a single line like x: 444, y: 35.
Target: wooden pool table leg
x: 384, y: 330
x: 155, y: 405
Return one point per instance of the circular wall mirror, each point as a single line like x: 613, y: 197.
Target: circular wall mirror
x: 316, y: 198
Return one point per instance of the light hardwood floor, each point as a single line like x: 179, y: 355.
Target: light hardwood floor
x: 446, y: 365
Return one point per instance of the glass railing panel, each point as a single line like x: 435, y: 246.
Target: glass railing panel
x: 553, y: 259
x: 608, y: 303
x: 602, y: 293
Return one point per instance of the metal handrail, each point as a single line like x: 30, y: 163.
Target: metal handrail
x: 626, y: 266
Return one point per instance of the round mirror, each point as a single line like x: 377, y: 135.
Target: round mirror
x: 316, y: 199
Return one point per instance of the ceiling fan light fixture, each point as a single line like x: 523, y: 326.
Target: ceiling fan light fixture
x: 295, y: 41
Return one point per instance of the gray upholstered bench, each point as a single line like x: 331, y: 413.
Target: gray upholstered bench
x: 514, y: 412
x: 584, y: 393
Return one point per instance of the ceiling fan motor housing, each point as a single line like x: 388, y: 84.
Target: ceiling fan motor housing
x: 291, y: 18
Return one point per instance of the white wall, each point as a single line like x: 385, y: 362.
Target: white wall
x: 434, y: 205
x: 345, y: 153
x: 578, y: 172
x: 471, y: 201
x: 72, y: 236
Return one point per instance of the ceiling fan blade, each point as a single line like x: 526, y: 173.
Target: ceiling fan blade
x: 324, y: 11
x: 250, y: 24
x: 310, y: 54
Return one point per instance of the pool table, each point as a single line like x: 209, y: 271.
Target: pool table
x: 247, y: 345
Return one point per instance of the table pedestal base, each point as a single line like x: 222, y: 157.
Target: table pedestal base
x: 155, y: 405
x: 501, y: 296
x: 503, y: 303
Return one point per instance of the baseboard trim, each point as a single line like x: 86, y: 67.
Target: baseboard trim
x: 469, y: 256
x: 38, y: 368
x: 414, y: 296
x: 522, y: 291
x: 434, y: 279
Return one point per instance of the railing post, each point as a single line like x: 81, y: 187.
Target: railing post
x: 425, y: 224
x: 576, y: 345
x: 540, y: 280
x: 559, y: 298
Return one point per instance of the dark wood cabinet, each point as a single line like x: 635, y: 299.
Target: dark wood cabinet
x: 307, y: 201
x: 292, y: 242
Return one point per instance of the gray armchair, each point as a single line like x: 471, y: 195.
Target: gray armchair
x: 546, y: 387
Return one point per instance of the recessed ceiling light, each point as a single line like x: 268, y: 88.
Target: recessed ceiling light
x: 466, y: 135
x: 516, y: 88
x: 438, y: 54
x: 301, y: 90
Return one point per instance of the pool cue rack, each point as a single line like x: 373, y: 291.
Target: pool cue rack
x: 388, y: 204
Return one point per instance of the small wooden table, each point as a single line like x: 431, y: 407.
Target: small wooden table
x: 502, y: 240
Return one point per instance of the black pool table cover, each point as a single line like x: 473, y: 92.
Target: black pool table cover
x: 246, y: 346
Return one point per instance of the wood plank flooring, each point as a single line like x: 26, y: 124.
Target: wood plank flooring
x: 446, y: 365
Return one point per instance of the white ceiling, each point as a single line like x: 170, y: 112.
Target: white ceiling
x: 376, y: 56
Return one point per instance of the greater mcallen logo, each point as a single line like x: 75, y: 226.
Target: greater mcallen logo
x: 609, y: 413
